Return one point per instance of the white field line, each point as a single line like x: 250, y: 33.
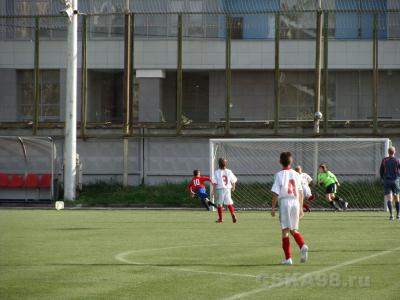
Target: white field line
x: 317, y: 272
x: 122, y: 258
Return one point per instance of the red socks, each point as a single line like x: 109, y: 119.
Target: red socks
x: 231, y: 209
x: 306, y: 207
x: 286, y: 243
x: 286, y: 247
x: 219, y: 209
x: 299, y: 239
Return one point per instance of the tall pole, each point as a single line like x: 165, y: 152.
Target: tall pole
x: 36, y: 78
x: 317, y: 89
x: 277, y: 92
x: 71, y: 106
x: 179, y: 77
x: 127, y: 94
x: 375, y: 75
x: 228, y: 74
x: 326, y: 66
x: 84, y: 78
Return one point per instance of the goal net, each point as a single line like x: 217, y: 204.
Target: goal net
x: 355, y: 162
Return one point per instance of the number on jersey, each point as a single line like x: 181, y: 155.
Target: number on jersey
x: 292, y: 187
x: 225, y: 179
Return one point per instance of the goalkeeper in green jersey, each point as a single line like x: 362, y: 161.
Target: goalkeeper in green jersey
x: 329, y: 182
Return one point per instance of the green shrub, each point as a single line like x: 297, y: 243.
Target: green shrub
x: 248, y: 195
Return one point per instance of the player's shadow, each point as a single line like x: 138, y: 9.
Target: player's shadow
x: 210, y: 265
x: 348, y: 250
x: 163, y: 265
x: 76, y: 228
x: 147, y: 222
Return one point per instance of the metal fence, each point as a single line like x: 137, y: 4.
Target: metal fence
x: 246, y: 64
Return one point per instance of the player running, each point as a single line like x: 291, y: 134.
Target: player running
x: 196, y: 188
x: 287, y: 189
x: 390, y: 174
x: 224, y: 182
x: 329, y: 182
x: 305, y: 181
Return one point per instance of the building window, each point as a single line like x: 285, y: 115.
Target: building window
x: 352, y: 95
x: 106, y: 26
x: 195, y: 97
x: 23, y: 28
x: 168, y: 102
x: 237, y: 28
x: 105, y: 96
x: 49, y: 90
x: 297, y: 25
x: 195, y: 103
x: 297, y: 95
x: 195, y: 25
x: 195, y: 21
x: 394, y: 25
x: 359, y: 25
x: 389, y: 106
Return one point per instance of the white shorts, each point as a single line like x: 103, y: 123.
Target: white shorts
x: 306, y: 192
x: 223, y: 197
x: 289, y: 210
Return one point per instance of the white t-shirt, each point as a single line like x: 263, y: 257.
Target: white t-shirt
x: 224, y: 179
x: 287, y: 184
x: 305, y: 179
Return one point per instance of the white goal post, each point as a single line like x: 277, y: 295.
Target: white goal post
x: 355, y: 162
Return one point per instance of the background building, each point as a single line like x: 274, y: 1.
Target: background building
x: 231, y: 83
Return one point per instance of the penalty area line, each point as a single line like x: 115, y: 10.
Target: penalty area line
x: 122, y: 258
x: 305, y: 276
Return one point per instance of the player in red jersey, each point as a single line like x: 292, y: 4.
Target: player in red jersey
x: 196, y: 188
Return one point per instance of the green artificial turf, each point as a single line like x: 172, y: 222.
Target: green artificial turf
x: 72, y: 254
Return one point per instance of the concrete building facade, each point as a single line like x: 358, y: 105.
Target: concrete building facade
x: 170, y: 156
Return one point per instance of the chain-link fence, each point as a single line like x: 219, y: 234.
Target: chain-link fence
x: 225, y: 51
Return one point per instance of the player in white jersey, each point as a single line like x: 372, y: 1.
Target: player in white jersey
x: 224, y: 182
x: 287, y: 189
x: 306, y: 181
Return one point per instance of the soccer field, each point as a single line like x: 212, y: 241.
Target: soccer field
x: 110, y: 254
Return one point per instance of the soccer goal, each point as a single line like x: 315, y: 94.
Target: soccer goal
x: 355, y: 162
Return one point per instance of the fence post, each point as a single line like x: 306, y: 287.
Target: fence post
x: 326, y: 68
x: 375, y: 75
x: 84, y: 78
x: 36, y: 77
x: 179, y: 77
x: 228, y: 75
x: 277, y: 86
x: 317, y: 83
x: 127, y: 94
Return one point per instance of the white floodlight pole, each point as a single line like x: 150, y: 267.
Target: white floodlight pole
x: 71, y: 102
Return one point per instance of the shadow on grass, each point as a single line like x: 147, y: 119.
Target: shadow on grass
x: 76, y: 228
x: 164, y: 265
x: 348, y: 251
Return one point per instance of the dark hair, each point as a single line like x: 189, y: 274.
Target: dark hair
x: 222, y: 162
x: 324, y: 167
x: 196, y: 172
x: 286, y: 159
